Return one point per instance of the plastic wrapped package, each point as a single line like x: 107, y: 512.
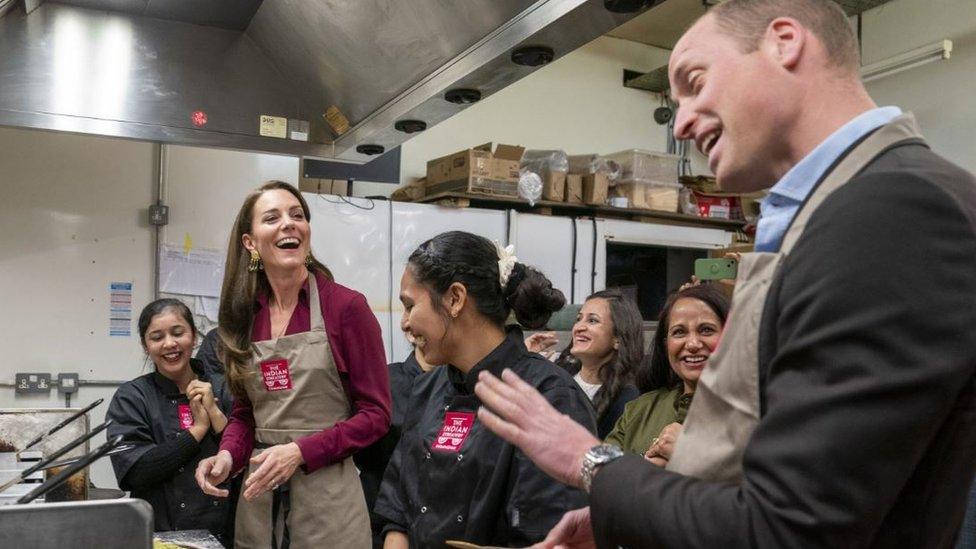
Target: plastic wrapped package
x: 594, y: 164
x: 551, y: 167
x: 543, y: 162
x: 530, y: 186
x: 649, y: 168
x: 686, y: 202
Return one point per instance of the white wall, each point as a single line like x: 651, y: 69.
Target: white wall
x: 940, y: 93
x: 73, y: 222
x: 578, y: 104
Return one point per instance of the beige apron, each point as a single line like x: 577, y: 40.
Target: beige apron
x: 726, y: 406
x: 322, y: 509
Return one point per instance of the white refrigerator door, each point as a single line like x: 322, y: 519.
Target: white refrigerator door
x: 415, y: 223
x: 352, y: 237
x: 546, y: 243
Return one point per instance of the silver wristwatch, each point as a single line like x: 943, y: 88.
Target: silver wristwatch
x: 596, y: 456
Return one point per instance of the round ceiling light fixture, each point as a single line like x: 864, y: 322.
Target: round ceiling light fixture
x: 370, y: 149
x: 410, y: 126
x: 462, y: 96
x: 533, y: 56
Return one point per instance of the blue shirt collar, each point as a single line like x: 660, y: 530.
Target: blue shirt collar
x: 800, y: 180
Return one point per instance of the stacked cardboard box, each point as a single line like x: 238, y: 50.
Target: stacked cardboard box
x: 477, y: 170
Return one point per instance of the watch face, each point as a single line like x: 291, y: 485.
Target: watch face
x: 606, y: 452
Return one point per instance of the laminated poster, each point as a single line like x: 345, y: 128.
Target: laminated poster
x: 196, y: 271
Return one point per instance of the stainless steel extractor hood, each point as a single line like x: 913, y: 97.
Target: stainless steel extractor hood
x: 205, y: 72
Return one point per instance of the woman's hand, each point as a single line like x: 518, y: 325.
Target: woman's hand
x: 574, y: 531
x: 204, y: 390
x: 396, y: 540
x: 213, y: 471
x: 275, y: 466
x: 663, y: 446
x: 201, y: 420
x: 541, y: 341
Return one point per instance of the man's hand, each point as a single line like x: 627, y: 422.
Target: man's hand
x: 275, y: 466
x: 553, y: 441
x: 574, y: 531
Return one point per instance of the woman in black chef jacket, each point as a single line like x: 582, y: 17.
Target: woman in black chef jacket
x: 450, y: 478
x: 174, y: 416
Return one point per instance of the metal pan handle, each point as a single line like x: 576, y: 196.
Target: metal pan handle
x: 56, y: 480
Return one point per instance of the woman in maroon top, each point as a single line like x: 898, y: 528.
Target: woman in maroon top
x: 305, y: 362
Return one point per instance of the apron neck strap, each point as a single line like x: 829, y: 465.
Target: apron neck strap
x: 902, y: 128
x: 317, y: 323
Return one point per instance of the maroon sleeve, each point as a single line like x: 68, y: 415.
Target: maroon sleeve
x: 238, y: 436
x: 367, y: 384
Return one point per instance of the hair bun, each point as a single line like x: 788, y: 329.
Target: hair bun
x: 532, y: 297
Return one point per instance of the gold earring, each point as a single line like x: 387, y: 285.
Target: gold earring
x: 255, y: 264
x: 309, y: 261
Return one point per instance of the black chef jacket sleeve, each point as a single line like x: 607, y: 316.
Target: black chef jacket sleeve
x: 149, y: 463
x: 872, y: 354
x: 538, y: 502
x: 392, y: 497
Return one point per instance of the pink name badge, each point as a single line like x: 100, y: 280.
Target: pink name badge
x: 277, y: 376
x: 186, y: 416
x: 457, y: 426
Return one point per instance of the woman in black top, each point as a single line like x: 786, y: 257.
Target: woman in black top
x: 372, y: 461
x: 174, y: 415
x: 450, y: 478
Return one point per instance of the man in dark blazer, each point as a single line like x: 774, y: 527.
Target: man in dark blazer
x: 864, y: 431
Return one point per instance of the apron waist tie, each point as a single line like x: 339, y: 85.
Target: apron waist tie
x: 280, y: 509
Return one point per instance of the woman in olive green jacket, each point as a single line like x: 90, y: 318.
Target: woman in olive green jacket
x: 688, y: 331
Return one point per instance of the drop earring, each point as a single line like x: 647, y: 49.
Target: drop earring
x: 255, y: 264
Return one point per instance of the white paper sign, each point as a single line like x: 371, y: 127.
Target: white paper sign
x: 199, y: 271
x: 208, y: 307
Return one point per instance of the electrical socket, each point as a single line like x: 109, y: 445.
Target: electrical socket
x: 27, y: 383
x: 67, y: 383
x: 158, y: 214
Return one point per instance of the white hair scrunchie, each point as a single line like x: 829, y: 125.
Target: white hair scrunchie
x: 506, y: 263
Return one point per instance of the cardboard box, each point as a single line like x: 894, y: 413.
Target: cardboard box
x: 554, y: 186
x: 410, y: 192
x: 700, y: 183
x: 477, y: 170
x: 338, y: 187
x: 574, y: 188
x: 595, y: 189
x: 634, y: 192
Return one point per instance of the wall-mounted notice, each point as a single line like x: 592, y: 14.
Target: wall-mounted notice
x: 120, y: 309
x: 197, y: 271
x: 274, y: 126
